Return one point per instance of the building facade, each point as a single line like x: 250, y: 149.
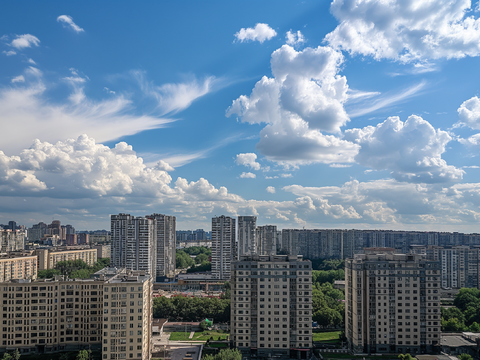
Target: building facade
x: 11, y: 240
x: 111, y: 312
x: 134, y: 245
x: 392, y: 303
x: 48, y: 258
x: 223, y: 246
x: 266, y: 239
x: 165, y: 238
x: 103, y: 251
x: 271, y: 307
x: 247, y: 240
x: 15, y: 267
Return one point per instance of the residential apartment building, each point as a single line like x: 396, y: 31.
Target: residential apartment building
x: 111, y: 312
x: 266, y: 239
x: 223, y: 246
x: 459, y: 264
x: 48, y: 258
x: 392, y: 303
x: 247, y: 241
x: 271, y: 307
x: 134, y: 244
x: 103, y: 251
x: 11, y: 240
x: 15, y: 267
x: 165, y: 238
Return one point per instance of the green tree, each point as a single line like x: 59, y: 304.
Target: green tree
x: 201, y: 258
x: 64, y: 356
x: 226, y: 354
x: 7, y: 356
x: 475, y: 327
x: 83, y: 355
x: 405, y: 357
x: 16, y: 354
x: 465, y: 357
x: 48, y: 274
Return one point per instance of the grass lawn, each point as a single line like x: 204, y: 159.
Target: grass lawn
x: 199, y: 336
x: 326, y: 336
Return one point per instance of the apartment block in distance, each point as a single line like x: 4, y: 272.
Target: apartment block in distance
x: 223, y: 246
x: 111, y: 312
x: 392, y: 303
x: 247, y: 240
x: 134, y: 243
x: 48, y: 258
x: 271, y: 307
x: 165, y: 238
x: 18, y: 266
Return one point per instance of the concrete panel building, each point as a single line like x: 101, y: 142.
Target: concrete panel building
x: 266, y: 239
x: 223, y: 246
x: 165, y: 242
x: 48, y: 258
x: 247, y: 240
x: 111, y: 312
x: 392, y: 303
x: 134, y: 245
x: 11, y: 240
x: 271, y: 307
x: 15, y: 267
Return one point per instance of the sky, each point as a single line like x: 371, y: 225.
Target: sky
x: 357, y: 114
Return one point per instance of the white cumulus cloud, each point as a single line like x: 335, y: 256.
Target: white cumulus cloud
x: 260, y: 33
x: 469, y: 113
x: 406, y: 30
x: 248, y: 175
x: 304, y: 98
x: 271, y: 189
x: 294, y: 38
x: 25, y: 41
x: 412, y: 150
x: 248, y: 159
x: 67, y: 21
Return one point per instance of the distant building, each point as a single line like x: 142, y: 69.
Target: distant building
x: 266, y: 239
x: 37, y: 231
x: 18, y: 266
x: 247, y: 242
x: 223, y: 246
x: 48, y: 258
x: 103, y: 251
x: 11, y: 240
x: 83, y: 238
x: 392, y: 303
x: 134, y: 244
x: 71, y: 239
x: 165, y: 244
x: 271, y: 307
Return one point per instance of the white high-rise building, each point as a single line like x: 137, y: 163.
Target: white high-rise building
x: 223, y: 246
x: 267, y: 240
x: 247, y: 241
x: 165, y: 230
x: 392, y: 303
x: 271, y: 307
x: 134, y: 244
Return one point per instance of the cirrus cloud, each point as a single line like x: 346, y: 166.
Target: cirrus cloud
x: 67, y: 21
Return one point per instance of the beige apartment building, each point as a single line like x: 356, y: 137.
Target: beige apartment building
x: 103, y: 251
x: 111, y: 312
x: 392, y: 303
x: 18, y: 267
x: 48, y: 258
x: 271, y: 307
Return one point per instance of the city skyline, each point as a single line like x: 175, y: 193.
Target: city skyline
x: 298, y: 113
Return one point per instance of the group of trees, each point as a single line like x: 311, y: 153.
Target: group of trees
x: 81, y: 355
x: 465, y: 315
x: 182, y: 308
x: 226, y: 354
x: 14, y: 355
x: 328, y: 304
x: 328, y: 264
x: 78, y: 269
x: 200, y: 263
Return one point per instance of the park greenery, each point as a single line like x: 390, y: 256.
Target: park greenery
x: 328, y: 304
x: 182, y: 308
x: 465, y: 314
x: 74, y: 269
x: 226, y: 354
x: 183, y: 258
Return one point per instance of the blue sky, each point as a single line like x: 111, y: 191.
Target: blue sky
x: 350, y: 114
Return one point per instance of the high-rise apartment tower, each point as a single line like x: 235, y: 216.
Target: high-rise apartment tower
x: 223, y: 246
